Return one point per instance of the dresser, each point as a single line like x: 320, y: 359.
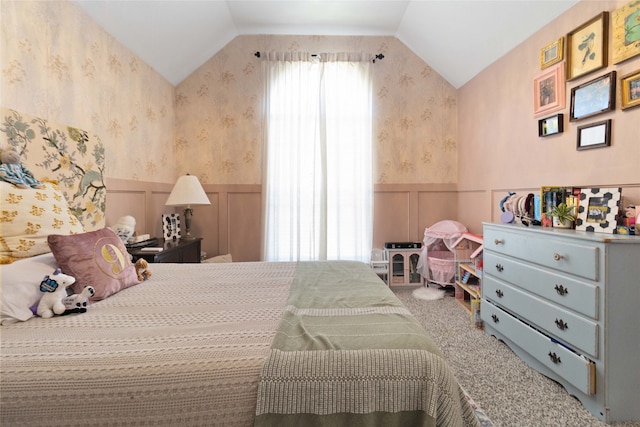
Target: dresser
x: 568, y: 303
x: 174, y: 251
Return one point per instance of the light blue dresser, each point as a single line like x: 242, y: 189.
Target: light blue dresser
x: 568, y: 303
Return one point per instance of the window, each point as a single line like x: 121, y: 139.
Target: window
x: 318, y: 191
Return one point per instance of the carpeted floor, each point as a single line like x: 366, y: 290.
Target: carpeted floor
x: 507, y: 390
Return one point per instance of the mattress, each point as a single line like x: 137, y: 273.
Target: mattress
x: 214, y: 344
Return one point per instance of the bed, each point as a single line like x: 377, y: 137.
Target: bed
x: 233, y: 344
x: 293, y: 343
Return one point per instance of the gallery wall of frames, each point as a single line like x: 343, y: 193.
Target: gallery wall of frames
x: 584, y: 51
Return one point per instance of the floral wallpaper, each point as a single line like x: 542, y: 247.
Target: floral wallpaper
x: 57, y: 63
x: 219, y: 119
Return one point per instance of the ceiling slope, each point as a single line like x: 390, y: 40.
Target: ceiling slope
x: 457, y: 38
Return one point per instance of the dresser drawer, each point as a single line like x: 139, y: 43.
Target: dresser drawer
x: 557, y: 287
x: 580, y: 259
x: 575, y: 369
x: 567, y: 326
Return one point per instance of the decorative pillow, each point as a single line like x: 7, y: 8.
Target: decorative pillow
x: 97, y: 258
x: 28, y: 216
x: 219, y: 259
x: 20, y: 286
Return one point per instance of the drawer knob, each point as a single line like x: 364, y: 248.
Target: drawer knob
x: 499, y: 293
x: 554, y: 358
x: 561, y: 324
x: 495, y: 318
x: 561, y: 290
x: 499, y: 267
x: 498, y: 241
x: 557, y: 256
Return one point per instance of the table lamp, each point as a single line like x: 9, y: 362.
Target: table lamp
x: 186, y: 192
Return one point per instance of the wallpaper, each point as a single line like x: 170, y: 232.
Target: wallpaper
x: 58, y: 64
x: 219, y: 112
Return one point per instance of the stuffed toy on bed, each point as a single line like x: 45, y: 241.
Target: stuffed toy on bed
x: 12, y: 170
x: 77, y: 303
x: 54, y: 287
x: 142, y: 269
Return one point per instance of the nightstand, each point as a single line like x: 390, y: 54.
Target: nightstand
x: 174, y: 251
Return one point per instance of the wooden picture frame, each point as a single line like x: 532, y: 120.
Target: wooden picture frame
x: 593, y: 97
x: 587, y: 47
x: 549, y: 90
x: 594, y: 135
x: 551, y: 125
x: 630, y: 90
x: 552, y: 53
x: 598, y: 210
x: 625, y: 32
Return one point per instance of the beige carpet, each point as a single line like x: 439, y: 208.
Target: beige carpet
x: 509, y: 392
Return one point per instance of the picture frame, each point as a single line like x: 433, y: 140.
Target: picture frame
x: 171, y: 229
x: 594, y: 135
x: 551, y: 125
x: 549, y: 90
x: 593, y: 97
x: 630, y: 90
x: 552, y: 53
x: 598, y: 210
x: 587, y: 47
x: 550, y: 197
x: 625, y: 33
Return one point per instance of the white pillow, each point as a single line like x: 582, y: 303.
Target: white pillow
x: 219, y: 259
x: 20, y: 286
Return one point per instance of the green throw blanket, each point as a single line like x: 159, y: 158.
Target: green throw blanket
x: 347, y: 352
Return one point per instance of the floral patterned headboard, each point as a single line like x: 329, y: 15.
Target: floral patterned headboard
x: 71, y: 156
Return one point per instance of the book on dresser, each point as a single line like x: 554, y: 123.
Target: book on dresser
x: 566, y: 302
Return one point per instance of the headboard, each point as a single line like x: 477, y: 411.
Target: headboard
x: 73, y: 157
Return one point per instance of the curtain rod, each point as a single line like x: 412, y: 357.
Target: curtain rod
x: 378, y: 56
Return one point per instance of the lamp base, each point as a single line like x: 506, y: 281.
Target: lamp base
x: 188, y: 237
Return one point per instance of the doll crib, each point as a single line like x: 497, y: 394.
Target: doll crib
x: 437, y: 262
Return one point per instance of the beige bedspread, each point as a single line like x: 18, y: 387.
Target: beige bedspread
x: 328, y: 341
x: 183, y: 348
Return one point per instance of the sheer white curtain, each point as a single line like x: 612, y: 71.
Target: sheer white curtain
x: 317, y: 186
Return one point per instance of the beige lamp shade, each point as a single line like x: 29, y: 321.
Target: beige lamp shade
x: 187, y: 191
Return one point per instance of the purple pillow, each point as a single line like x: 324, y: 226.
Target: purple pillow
x: 97, y: 258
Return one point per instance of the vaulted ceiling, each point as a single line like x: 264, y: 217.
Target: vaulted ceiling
x: 457, y: 38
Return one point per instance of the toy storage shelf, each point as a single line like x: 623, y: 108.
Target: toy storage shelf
x: 468, y: 286
x: 403, y: 267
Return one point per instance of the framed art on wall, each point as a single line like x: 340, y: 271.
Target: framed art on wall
x: 552, y: 53
x: 551, y: 125
x: 593, y: 97
x: 631, y: 89
x: 548, y: 90
x: 598, y: 210
x: 594, y: 135
x: 626, y: 32
x: 587, y: 47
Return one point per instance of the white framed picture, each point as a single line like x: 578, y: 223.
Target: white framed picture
x: 171, y: 226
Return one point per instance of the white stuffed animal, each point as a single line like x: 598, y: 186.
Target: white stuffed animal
x: 125, y: 227
x: 77, y: 303
x: 55, y: 290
